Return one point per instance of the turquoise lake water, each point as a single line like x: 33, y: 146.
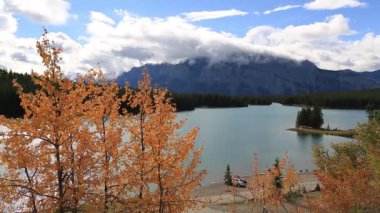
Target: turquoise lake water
x: 233, y: 135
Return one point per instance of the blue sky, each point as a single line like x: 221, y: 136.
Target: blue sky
x: 120, y: 34
x: 363, y: 19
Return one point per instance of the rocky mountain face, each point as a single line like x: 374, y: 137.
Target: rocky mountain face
x: 251, y: 75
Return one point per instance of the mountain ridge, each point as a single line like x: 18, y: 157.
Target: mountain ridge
x: 244, y: 75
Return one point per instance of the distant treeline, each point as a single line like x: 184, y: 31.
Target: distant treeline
x: 339, y: 100
x: 10, y: 103
x: 191, y: 101
x: 9, y: 100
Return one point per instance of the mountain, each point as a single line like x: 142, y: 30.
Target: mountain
x: 251, y: 75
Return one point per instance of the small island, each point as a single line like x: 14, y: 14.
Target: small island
x: 335, y: 132
x: 310, y: 120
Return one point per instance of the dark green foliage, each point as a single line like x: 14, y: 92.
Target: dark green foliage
x: 227, y: 176
x: 373, y: 112
x: 9, y: 100
x: 317, y: 188
x: 338, y: 100
x: 316, y: 118
x: 186, y: 102
x: 278, y: 180
x: 310, y: 117
x: 298, y: 120
x: 302, y: 117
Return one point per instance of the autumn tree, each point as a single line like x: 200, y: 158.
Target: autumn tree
x: 165, y: 161
x: 265, y: 187
x: 139, y: 158
x: 73, y: 151
x: 291, y: 179
x: 108, y: 183
x: 39, y: 152
x: 348, y: 180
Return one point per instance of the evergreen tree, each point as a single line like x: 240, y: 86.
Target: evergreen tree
x: 303, y: 118
x: 316, y: 118
x: 227, y: 176
x: 310, y: 117
x: 298, y: 120
x: 373, y: 113
x: 278, y: 179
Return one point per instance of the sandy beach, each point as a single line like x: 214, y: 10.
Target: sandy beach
x: 220, y: 197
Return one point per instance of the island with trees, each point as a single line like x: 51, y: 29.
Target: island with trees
x: 310, y: 120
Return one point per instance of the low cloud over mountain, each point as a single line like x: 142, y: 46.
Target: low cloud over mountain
x: 257, y: 74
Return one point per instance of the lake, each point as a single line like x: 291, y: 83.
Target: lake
x: 233, y: 135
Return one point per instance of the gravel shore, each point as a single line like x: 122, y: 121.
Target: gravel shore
x: 220, y: 196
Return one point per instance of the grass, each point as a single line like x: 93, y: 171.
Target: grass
x: 342, y: 133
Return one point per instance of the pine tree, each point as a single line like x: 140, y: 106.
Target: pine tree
x: 278, y: 178
x: 310, y: 117
x: 316, y: 118
x: 298, y: 120
x: 227, y: 176
x: 308, y: 112
x: 303, y: 117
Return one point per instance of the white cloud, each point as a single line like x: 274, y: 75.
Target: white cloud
x: 19, y: 54
x: 283, y: 8
x: 330, y: 29
x: 133, y: 41
x: 8, y: 24
x: 43, y: 11
x: 100, y: 17
x: 204, y: 15
x: 332, y: 4
x: 15, y: 53
x: 137, y: 40
x: 321, y: 43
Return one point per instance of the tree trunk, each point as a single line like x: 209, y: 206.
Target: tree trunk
x: 59, y: 179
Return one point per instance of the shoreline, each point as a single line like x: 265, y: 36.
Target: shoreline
x: 219, y: 197
x: 217, y: 188
x: 341, y: 133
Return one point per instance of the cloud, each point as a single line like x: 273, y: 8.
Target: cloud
x: 42, y: 11
x: 100, y: 17
x: 204, y: 15
x: 8, y: 24
x: 319, y: 5
x: 19, y: 56
x: 283, y: 8
x: 321, y: 43
x: 118, y: 46
x: 332, y: 4
x: 332, y: 28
